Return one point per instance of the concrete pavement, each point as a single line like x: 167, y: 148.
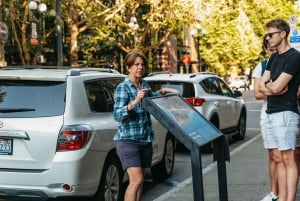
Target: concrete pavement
x: 247, y: 177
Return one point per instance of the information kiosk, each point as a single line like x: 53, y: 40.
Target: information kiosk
x: 193, y: 131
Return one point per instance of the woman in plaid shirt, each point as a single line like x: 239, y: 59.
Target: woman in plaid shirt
x: 135, y: 134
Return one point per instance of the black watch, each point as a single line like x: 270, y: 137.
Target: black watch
x: 266, y: 82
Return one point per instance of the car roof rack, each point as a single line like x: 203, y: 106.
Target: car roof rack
x: 202, y: 73
x: 34, y: 67
x: 71, y: 70
x: 158, y: 73
x: 78, y: 71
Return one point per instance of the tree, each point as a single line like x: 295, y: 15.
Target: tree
x: 235, y: 29
x: 156, y: 20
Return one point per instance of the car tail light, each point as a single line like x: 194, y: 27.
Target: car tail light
x: 73, y: 137
x: 195, y: 101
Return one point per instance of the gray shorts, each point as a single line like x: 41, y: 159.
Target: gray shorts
x: 134, y: 154
x: 282, y: 131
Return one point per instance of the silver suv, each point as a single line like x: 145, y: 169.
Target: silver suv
x: 56, y: 131
x: 211, y: 96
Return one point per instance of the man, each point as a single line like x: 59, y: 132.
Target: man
x: 280, y: 83
x: 257, y: 74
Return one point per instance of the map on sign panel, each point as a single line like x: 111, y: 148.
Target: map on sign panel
x: 187, y: 118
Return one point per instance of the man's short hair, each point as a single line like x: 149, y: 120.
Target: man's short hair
x: 279, y: 24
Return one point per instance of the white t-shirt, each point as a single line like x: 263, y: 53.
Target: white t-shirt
x: 257, y: 74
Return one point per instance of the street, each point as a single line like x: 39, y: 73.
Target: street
x: 182, y: 167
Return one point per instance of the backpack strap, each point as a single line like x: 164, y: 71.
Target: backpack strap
x: 263, y: 66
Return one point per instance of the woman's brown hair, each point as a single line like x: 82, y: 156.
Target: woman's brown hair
x: 131, y: 56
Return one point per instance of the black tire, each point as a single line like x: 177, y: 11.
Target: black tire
x: 111, y: 187
x: 241, y: 128
x: 164, y: 168
x: 208, y: 148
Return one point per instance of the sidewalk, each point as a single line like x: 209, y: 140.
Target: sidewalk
x: 247, y: 177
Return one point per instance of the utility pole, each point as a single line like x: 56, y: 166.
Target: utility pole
x: 3, y: 38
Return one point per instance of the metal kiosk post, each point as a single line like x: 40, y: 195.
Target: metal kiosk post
x: 193, y: 131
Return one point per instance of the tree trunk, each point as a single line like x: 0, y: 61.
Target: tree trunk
x: 73, y: 45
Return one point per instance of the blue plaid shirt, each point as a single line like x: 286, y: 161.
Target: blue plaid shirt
x: 139, y: 129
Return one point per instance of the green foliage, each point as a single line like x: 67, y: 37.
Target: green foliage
x: 234, y: 28
x: 235, y: 31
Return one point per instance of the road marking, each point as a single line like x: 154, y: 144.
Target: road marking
x: 253, y: 129
x: 254, y: 110
x: 182, y: 184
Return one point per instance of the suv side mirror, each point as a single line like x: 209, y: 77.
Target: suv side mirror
x: 237, y: 93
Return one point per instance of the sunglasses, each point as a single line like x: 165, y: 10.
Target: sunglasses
x: 270, y: 35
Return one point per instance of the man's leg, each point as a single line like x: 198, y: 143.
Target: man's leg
x: 273, y: 170
x: 274, y: 155
x: 286, y: 130
x: 288, y: 157
x: 297, y: 157
x: 281, y: 175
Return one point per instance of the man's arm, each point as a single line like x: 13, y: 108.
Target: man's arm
x: 279, y: 86
x: 258, y: 95
x: 261, y: 86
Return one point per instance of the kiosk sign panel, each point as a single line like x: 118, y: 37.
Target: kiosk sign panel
x: 182, y: 120
x: 193, y: 130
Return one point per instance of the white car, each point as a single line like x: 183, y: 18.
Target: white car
x: 240, y: 82
x: 211, y: 96
x: 56, y: 135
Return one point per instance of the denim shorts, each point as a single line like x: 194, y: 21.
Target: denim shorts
x: 282, y: 130
x: 134, y: 154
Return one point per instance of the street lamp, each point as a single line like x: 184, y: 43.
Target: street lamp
x: 133, y: 24
x: 196, y: 35
x: 37, y: 9
x: 59, y: 34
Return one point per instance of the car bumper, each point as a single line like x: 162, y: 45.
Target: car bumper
x: 41, y: 184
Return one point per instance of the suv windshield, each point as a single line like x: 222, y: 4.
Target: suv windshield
x: 186, y: 89
x: 27, y: 98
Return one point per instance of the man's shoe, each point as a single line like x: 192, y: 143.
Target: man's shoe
x: 268, y: 197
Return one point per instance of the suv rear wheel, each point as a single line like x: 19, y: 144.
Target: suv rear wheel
x: 164, y: 168
x: 241, y: 128
x: 111, y: 187
x: 208, y: 148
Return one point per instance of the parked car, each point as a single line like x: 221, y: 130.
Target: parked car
x: 211, y: 96
x: 56, y: 135
x: 241, y: 81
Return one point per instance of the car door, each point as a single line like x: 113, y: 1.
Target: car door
x: 220, y: 103
x: 230, y: 102
x: 100, y: 96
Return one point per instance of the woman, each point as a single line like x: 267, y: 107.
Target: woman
x: 135, y: 134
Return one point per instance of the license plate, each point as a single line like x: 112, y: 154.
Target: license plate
x: 6, y: 146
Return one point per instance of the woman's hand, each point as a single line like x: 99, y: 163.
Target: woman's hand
x: 140, y: 95
x: 163, y: 91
